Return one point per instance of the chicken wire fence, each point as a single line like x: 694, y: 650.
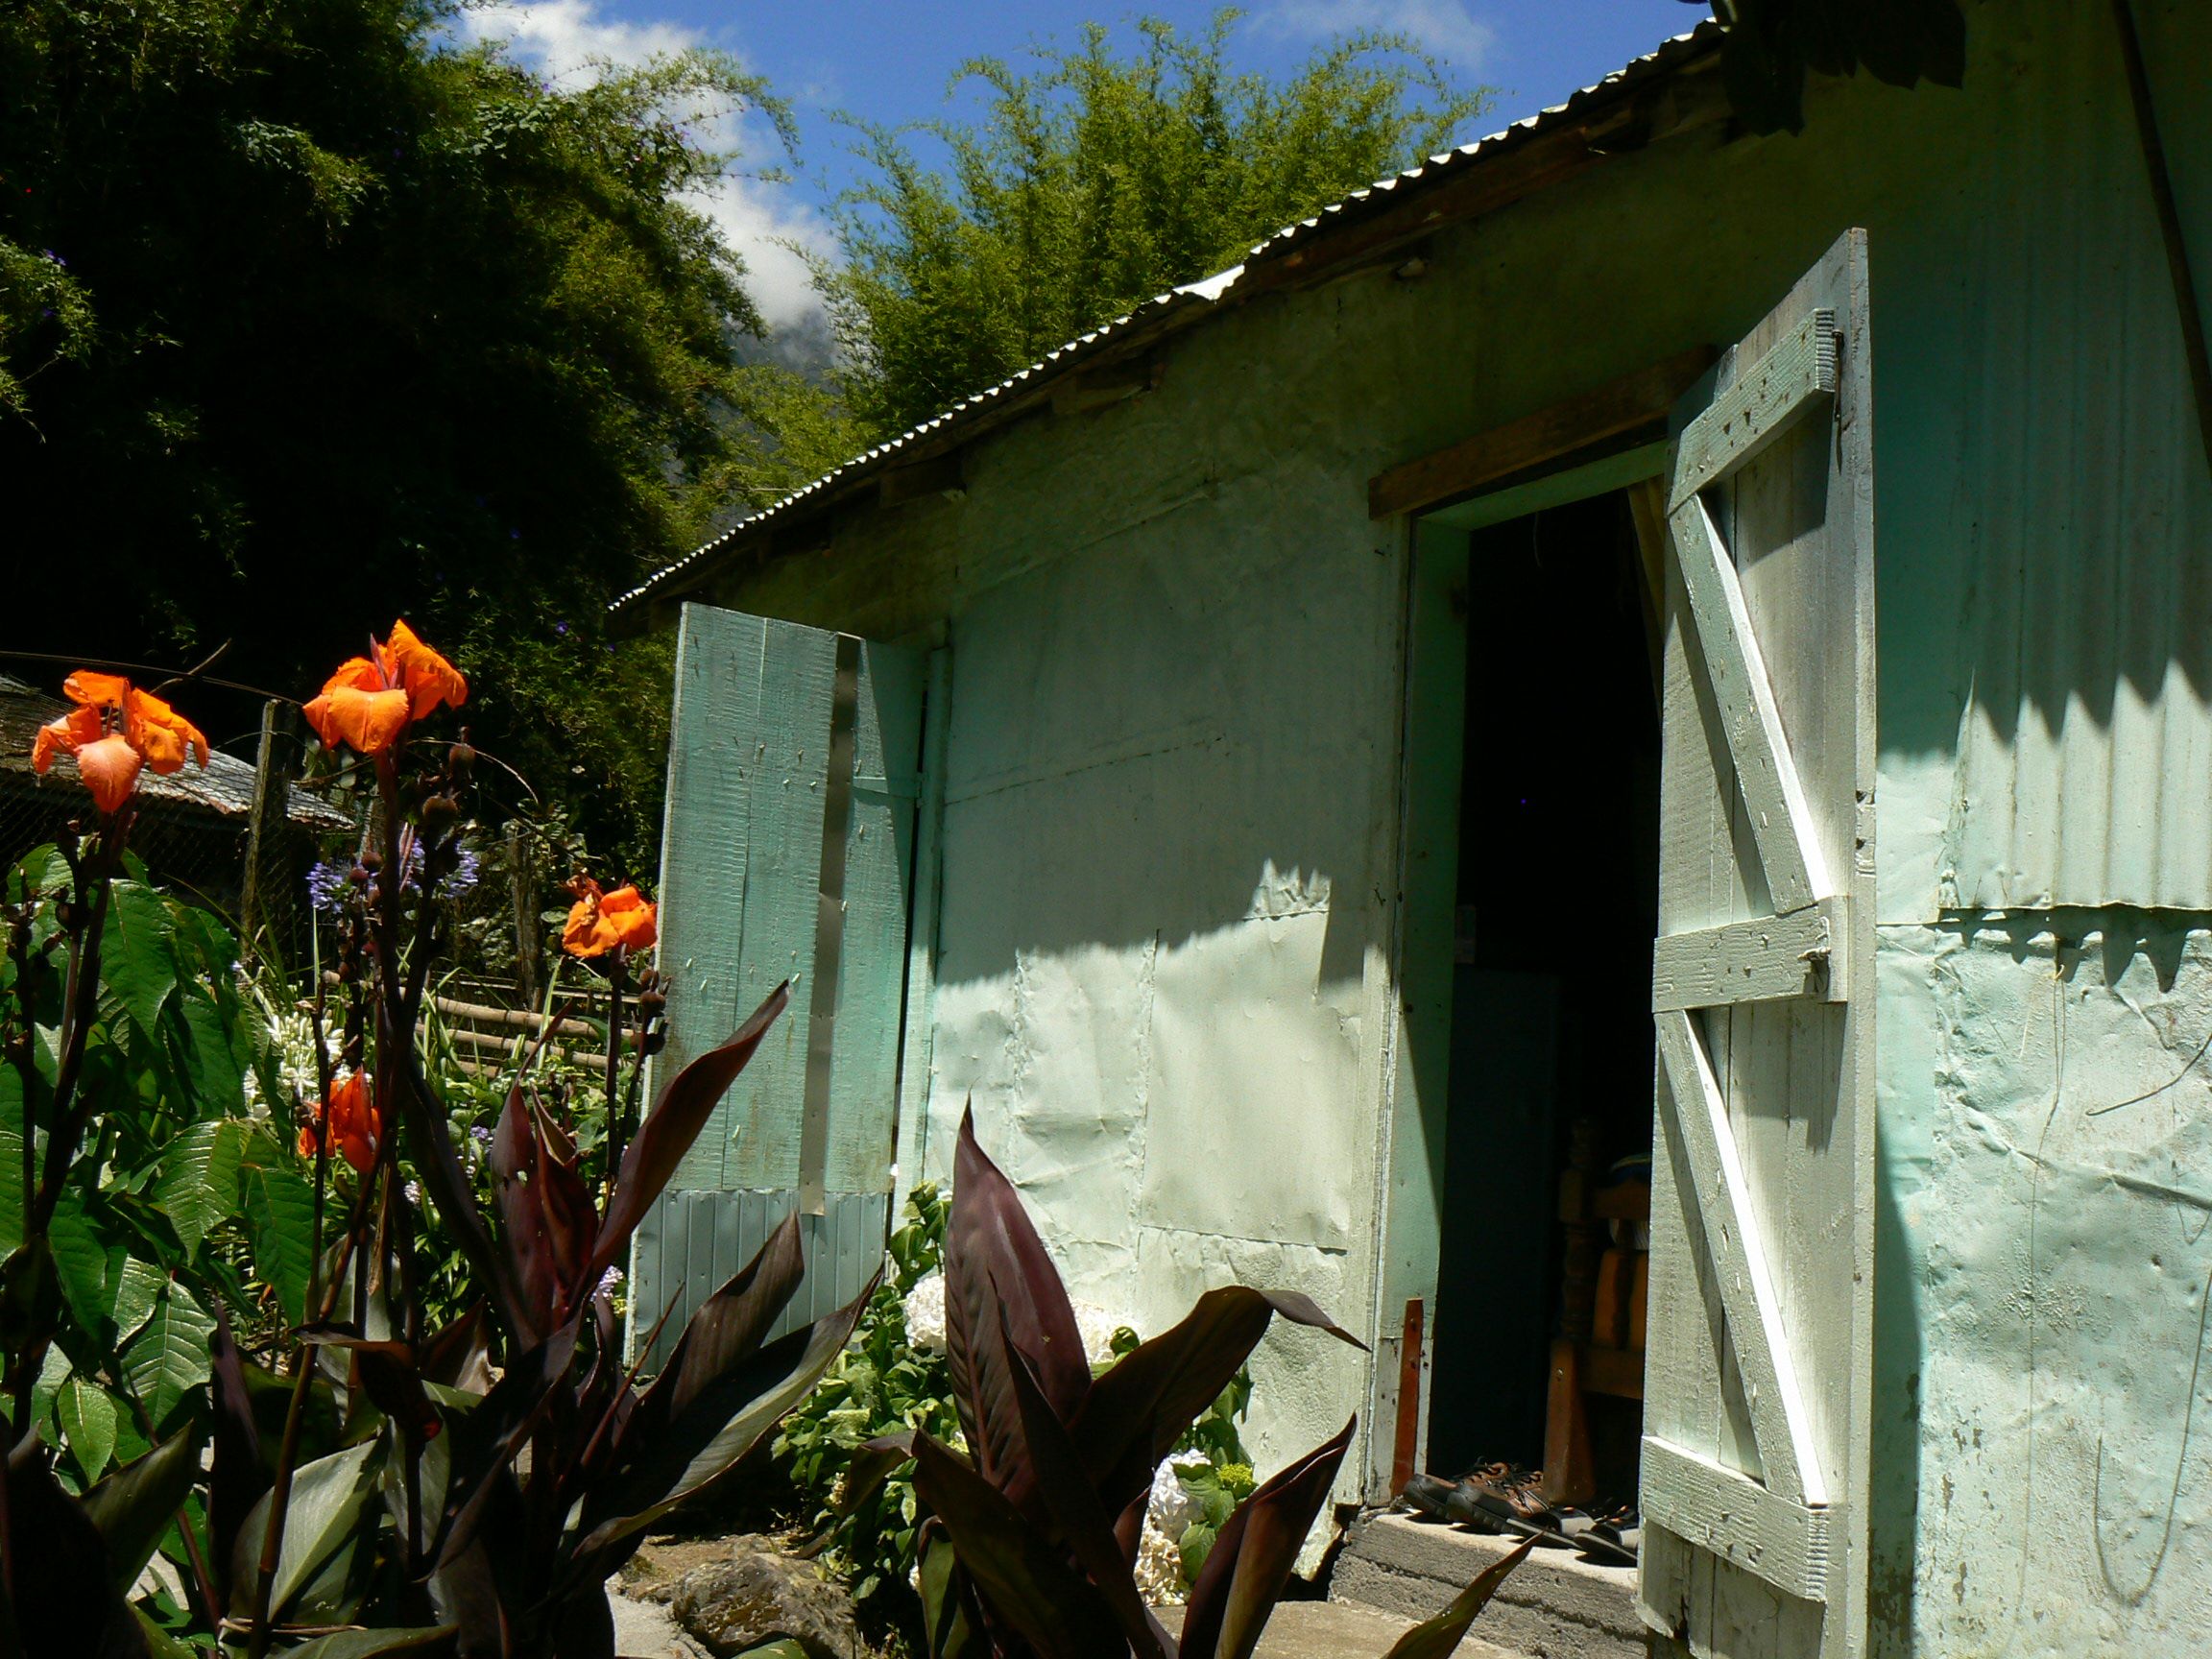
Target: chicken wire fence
x: 504, y: 903
x: 205, y: 858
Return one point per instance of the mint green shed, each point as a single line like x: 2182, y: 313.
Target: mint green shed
x: 1630, y: 633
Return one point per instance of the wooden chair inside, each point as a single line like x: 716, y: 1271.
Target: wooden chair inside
x: 1600, y: 1348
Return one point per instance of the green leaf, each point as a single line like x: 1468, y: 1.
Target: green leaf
x: 198, y: 1185
x: 137, y: 1290
x: 137, y: 955
x: 134, y: 1507
x: 87, y: 1417
x: 218, y: 1062
x: 10, y: 1159
x: 86, y: 1263
x: 170, y: 1356
x: 366, y: 1644
x: 281, y: 1217
x: 159, y: 1644
x: 322, y: 1523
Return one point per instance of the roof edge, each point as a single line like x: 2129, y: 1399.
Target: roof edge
x: 1610, y: 117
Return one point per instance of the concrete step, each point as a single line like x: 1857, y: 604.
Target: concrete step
x: 1555, y: 1605
x: 1335, y: 1630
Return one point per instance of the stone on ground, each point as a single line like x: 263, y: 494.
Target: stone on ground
x: 756, y: 1593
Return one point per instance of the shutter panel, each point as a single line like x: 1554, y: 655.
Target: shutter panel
x: 1756, y: 1404
x: 787, y: 847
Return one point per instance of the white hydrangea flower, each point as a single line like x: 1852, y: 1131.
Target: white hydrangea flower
x: 1168, y: 1513
x: 925, y: 1312
x: 1171, y: 1507
x: 1159, y: 1568
x: 1096, y: 1327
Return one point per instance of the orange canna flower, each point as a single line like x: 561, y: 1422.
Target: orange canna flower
x: 352, y: 1118
x: 370, y: 701
x: 599, y: 922
x: 114, y: 731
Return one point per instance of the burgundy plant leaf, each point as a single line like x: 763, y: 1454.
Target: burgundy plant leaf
x: 1023, y: 1579
x: 571, y: 1219
x: 486, y: 1439
x: 669, y: 1454
x: 1083, y: 1522
x: 458, y: 1355
x: 1251, y: 1559
x: 668, y: 1130
x: 1438, y: 1637
x: 996, y: 1269
x: 450, y: 1189
x: 236, y: 1476
x: 64, y: 1600
x: 872, y: 1463
x: 513, y: 1163
x: 1137, y: 1410
x: 136, y: 1503
x: 388, y: 1377
x: 730, y: 1326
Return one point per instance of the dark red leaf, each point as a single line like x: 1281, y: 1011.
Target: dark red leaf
x: 65, y: 1601
x: 236, y: 1474
x: 457, y: 1357
x: 486, y: 1439
x: 1438, y: 1637
x: 998, y: 1270
x: 450, y: 1188
x: 872, y: 1463
x: 678, y: 1115
x: 730, y: 1323
x: 668, y: 1455
x: 1083, y: 1521
x: 1024, y: 1581
x: 1251, y: 1560
x: 1137, y: 1412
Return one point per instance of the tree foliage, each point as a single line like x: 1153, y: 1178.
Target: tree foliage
x: 1094, y: 180
x: 309, y: 316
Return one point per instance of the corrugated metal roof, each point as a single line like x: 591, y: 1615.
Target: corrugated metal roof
x: 224, y: 787
x: 1307, y: 238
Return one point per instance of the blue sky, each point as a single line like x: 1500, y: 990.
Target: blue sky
x: 890, y: 61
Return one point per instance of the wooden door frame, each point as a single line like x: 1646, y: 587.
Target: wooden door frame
x: 1602, y: 439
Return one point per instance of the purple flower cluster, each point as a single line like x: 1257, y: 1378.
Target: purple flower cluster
x: 327, y: 885
x: 467, y: 869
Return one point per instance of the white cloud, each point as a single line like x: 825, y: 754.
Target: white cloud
x: 566, y: 40
x: 1445, y: 27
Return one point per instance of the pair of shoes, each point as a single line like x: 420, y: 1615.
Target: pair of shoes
x: 1499, y: 1498
x: 1614, y: 1536
x: 1427, y: 1495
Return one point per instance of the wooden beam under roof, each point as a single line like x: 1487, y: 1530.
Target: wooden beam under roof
x: 1632, y: 406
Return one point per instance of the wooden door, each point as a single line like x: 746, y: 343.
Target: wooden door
x: 786, y: 854
x: 1756, y: 1405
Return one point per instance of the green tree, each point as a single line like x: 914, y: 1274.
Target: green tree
x: 1094, y: 181
x: 309, y: 317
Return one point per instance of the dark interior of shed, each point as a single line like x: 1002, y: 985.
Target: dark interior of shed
x: 1552, y: 1048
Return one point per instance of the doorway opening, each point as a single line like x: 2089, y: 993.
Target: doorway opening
x: 1538, y: 1333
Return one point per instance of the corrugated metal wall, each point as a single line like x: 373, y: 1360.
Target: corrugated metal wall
x: 2072, y: 490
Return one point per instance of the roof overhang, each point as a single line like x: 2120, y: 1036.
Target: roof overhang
x: 1668, y: 91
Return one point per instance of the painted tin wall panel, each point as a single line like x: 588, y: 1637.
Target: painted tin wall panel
x: 739, y: 883
x: 692, y: 1243
x: 2058, y: 461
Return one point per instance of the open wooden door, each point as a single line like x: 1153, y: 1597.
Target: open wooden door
x: 787, y: 853
x: 1757, y: 1376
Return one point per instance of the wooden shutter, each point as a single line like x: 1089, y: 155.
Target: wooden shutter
x: 1756, y: 1403
x: 787, y: 848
